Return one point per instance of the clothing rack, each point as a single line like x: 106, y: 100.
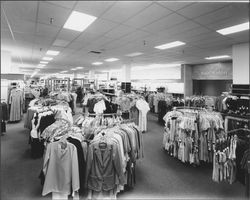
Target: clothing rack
x: 104, y: 114
x: 239, y: 129
x: 234, y: 118
x: 191, y: 108
x: 247, y: 176
x: 128, y: 121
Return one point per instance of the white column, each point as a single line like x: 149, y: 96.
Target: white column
x: 15, y: 69
x: 241, y: 71
x: 126, y: 72
x: 5, y: 62
x: 188, y: 81
x: 91, y: 74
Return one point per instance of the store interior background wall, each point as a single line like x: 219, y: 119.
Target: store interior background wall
x: 5, y: 62
x: 211, y: 87
x: 212, y: 79
x: 241, y: 68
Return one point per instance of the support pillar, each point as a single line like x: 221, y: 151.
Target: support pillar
x: 5, y: 62
x: 126, y: 77
x: 241, y: 71
x: 188, y: 81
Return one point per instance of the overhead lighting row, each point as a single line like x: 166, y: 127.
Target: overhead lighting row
x: 45, y: 60
x: 78, y: 21
x: 72, y: 69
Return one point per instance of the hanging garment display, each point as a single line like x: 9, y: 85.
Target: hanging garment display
x: 16, y: 100
x: 190, y: 134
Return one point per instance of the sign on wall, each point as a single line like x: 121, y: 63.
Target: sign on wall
x: 213, y: 71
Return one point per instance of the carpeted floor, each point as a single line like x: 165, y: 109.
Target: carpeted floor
x: 158, y: 175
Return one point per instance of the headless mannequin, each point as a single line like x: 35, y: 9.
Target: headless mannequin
x: 34, y: 131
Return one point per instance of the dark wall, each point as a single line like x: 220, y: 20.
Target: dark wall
x: 211, y: 87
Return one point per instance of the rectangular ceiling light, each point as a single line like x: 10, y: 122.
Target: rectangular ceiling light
x: 170, y: 45
x: 134, y: 54
x: 111, y: 59
x: 78, y: 21
x: 155, y: 66
x: 234, y: 29
x: 52, y: 53
x: 217, y: 57
x: 97, y: 63
x: 47, y: 58
x: 63, y: 71
x: 79, y: 67
x: 41, y: 66
x: 44, y: 62
x: 73, y: 69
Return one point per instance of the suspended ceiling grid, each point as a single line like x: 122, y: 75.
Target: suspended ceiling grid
x: 121, y: 28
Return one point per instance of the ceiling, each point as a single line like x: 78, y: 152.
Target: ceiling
x: 121, y: 28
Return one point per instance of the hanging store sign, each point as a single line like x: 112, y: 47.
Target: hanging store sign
x: 213, y: 71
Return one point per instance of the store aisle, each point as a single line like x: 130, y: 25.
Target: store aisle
x: 157, y: 175
x: 19, y: 172
x: 165, y: 177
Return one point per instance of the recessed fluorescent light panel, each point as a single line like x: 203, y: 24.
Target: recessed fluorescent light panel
x: 97, y: 63
x: 79, y: 67
x: 78, y: 21
x: 73, y: 69
x: 52, y: 53
x: 44, y: 62
x: 155, y: 66
x: 234, y: 29
x: 111, y: 59
x: 134, y: 54
x: 217, y: 57
x: 41, y: 65
x: 63, y: 71
x: 170, y: 45
x: 47, y: 58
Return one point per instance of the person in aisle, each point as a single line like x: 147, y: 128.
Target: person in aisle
x: 3, y: 116
x: 16, y: 100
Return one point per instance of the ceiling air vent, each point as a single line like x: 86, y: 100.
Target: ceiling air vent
x: 95, y: 52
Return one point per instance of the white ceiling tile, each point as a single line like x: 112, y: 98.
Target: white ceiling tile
x: 217, y: 15
x: 240, y: 36
x: 76, y: 45
x: 68, y: 35
x: 60, y: 43
x: 204, y: 37
x: 179, y: 28
x: 191, y: 33
x: 119, y: 31
x: 68, y: 51
x: 234, y: 12
x: 41, y: 40
x: 136, y: 35
x: 114, y: 44
x: 174, y: 5
x: 47, y: 30
x: 24, y: 38
x: 95, y: 8
x: 164, y: 23
x: 101, y: 26
x: 147, y: 16
x: 100, y: 41
x: 200, y: 8
x: 22, y: 10
x: 65, y: 4
x: 21, y: 26
x: 122, y: 10
x: 5, y: 35
x: 47, y: 11
x: 87, y: 37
